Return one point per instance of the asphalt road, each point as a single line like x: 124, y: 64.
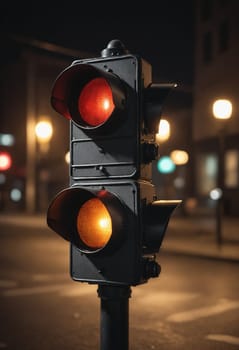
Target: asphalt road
x: 194, y: 304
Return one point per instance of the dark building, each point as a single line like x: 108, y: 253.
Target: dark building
x: 216, y: 141
x: 28, y: 70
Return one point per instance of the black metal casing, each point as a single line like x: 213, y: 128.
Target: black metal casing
x: 110, y: 158
x: 115, y: 157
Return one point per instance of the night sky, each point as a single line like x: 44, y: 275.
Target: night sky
x: 162, y: 35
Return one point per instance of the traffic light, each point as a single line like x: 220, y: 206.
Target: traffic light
x: 109, y: 213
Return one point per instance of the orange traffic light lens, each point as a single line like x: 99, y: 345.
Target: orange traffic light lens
x: 94, y: 224
x: 95, y: 102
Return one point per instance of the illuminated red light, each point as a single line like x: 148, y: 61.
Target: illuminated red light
x: 95, y: 102
x: 5, y: 161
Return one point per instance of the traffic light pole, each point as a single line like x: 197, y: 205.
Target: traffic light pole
x: 114, y: 321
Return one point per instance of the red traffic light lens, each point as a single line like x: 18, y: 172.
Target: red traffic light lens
x: 95, y: 102
x: 94, y: 224
x: 91, y: 97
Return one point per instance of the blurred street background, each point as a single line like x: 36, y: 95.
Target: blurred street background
x: 198, y: 132
x: 193, y: 304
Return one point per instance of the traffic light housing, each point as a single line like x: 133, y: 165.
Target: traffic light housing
x: 109, y: 213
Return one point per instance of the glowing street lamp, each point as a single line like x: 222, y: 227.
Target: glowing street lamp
x: 222, y: 109
x: 163, y: 132
x: 43, y: 131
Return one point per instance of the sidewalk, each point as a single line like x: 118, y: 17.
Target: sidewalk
x: 195, y: 235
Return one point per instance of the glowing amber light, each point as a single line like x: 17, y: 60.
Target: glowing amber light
x: 179, y: 157
x: 94, y: 224
x: 95, y: 102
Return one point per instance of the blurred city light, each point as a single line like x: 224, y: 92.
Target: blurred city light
x: 191, y: 204
x: 5, y: 161
x: 179, y: 182
x: 179, y: 157
x: 216, y: 194
x: 222, y: 109
x: 67, y: 157
x: 43, y: 131
x: 165, y: 165
x: 163, y: 132
x: 7, y: 140
x: 15, y: 195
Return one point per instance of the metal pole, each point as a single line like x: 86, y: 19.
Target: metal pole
x: 219, y: 206
x: 31, y: 140
x: 114, y: 321
x: 220, y: 202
